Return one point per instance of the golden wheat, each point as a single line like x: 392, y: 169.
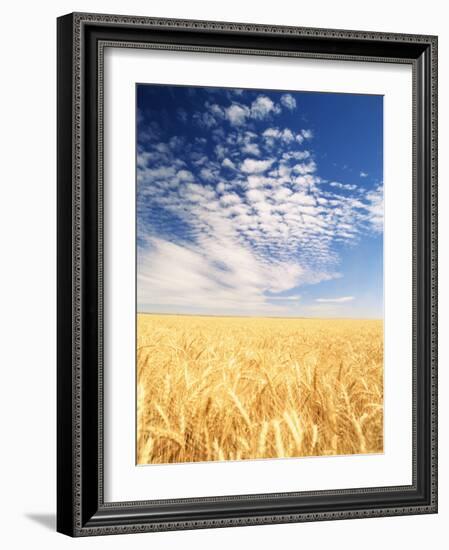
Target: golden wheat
x: 229, y: 388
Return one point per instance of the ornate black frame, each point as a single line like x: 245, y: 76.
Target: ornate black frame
x: 81, y: 509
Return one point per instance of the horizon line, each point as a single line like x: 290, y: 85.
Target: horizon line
x: 259, y: 316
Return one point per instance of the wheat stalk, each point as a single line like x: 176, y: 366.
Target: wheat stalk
x: 211, y: 388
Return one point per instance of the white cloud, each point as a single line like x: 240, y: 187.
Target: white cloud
x: 305, y: 168
x: 222, y: 187
x: 220, y: 151
x: 255, y: 196
x: 230, y: 199
x: 375, y: 208
x: 255, y: 181
x: 262, y: 106
x: 288, y: 101
x: 161, y: 173
x: 237, y: 114
x: 303, y: 198
x: 216, y: 110
x: 207, y: 174
x: 143, y: 157
x: 363, y: 174
x: 282, y: 194
x: 307, y: 134
x: 297, y: 155
x: 341, y: 300
x: 185, y: 175
x: 345, y: 186
x: 251, y: 149
x: 196, y: 192
x: 219, y: 275
x: 227, y: 163
x: 199, y: 160
x: 271, y: 132
x: 251, y: 166
x: 285, y: 135
x: 205, y: 120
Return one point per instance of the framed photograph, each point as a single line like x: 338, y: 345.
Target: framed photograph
x: 247, y: 279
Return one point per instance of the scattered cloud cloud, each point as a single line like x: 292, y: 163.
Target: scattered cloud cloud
x: 251, y: 166
x: 341, y: 300
x: 273, y: 134
x: 237, y: 114
x: 375, y: 208
x: 305, y: 168
x: 215, y: 273
x: 345, y: 186
x: 364, y: 174
x: 263, y: 106
x: 237, y: 217
x: 288, y: 101
x: 227, y: 163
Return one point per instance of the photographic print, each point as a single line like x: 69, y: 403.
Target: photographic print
x: 259, y: 241
x: 247, y: 274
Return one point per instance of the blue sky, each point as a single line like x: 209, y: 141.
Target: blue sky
x: 259, y: 202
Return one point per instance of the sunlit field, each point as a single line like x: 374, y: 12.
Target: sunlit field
x: 234, y: 388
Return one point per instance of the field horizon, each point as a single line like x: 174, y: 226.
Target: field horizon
x: 214, y: 388
x: 287, y: 317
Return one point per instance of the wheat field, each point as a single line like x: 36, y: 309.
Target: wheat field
x: 231, y: 388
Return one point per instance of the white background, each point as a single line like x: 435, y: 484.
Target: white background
x: 27, y: 306
x: 123, y: 481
